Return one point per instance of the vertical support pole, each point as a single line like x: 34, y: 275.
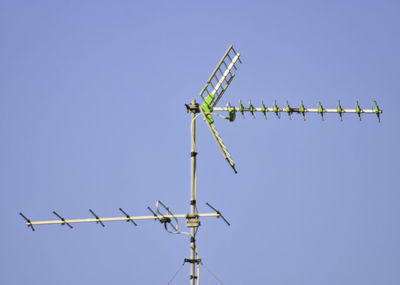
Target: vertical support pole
x: 193, y: 155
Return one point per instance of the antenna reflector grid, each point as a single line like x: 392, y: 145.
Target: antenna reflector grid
x: 222, y: 76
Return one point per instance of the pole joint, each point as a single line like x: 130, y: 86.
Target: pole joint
x: 198, y: 260
x: 192, y: 221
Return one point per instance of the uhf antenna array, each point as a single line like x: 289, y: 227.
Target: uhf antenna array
x: 291, y: 110
x: 211, y: 94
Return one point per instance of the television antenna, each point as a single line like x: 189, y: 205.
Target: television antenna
x: 211, y: 94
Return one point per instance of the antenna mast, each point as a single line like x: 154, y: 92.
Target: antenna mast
x: 211, y: 94
x: 194, y: 222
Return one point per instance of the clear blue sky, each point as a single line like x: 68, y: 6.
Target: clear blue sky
x: 92, y: 115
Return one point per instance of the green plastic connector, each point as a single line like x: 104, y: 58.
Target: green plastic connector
x: 302, y: 110
x: 251, y: 109
x: 321, y: 110
x: 207, y: 108
x: 340, y: 111
x: 264, y: 109
x: 232, y: 115
x: 377, y: 111
x: 288, y: 110
x: 276, y: 110
x: 241, y: 108
x: 358, y: 110
x: 231, y: 112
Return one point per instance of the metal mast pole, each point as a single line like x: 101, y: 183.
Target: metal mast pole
x: 193, y: 155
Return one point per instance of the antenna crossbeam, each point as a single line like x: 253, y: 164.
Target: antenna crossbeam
x: 295, y: 110
x: 113, y: 219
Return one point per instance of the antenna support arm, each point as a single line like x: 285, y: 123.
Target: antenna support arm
x: 30, y: 223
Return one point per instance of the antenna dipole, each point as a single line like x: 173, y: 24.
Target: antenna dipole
x: 211, y: 94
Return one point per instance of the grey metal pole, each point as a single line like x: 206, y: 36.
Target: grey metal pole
x: 193, y: 155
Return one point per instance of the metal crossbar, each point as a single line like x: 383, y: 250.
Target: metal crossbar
x: 114, y: 219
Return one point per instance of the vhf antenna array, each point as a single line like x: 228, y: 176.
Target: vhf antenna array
x: 211, y: 94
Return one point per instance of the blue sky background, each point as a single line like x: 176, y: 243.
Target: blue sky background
x: 92, y: 115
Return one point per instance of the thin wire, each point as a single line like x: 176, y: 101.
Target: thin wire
x: 176, y: 273
x: 197, y: 266
x: 215, y: 276
x: 196, y: 211
x: 222, y: 117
